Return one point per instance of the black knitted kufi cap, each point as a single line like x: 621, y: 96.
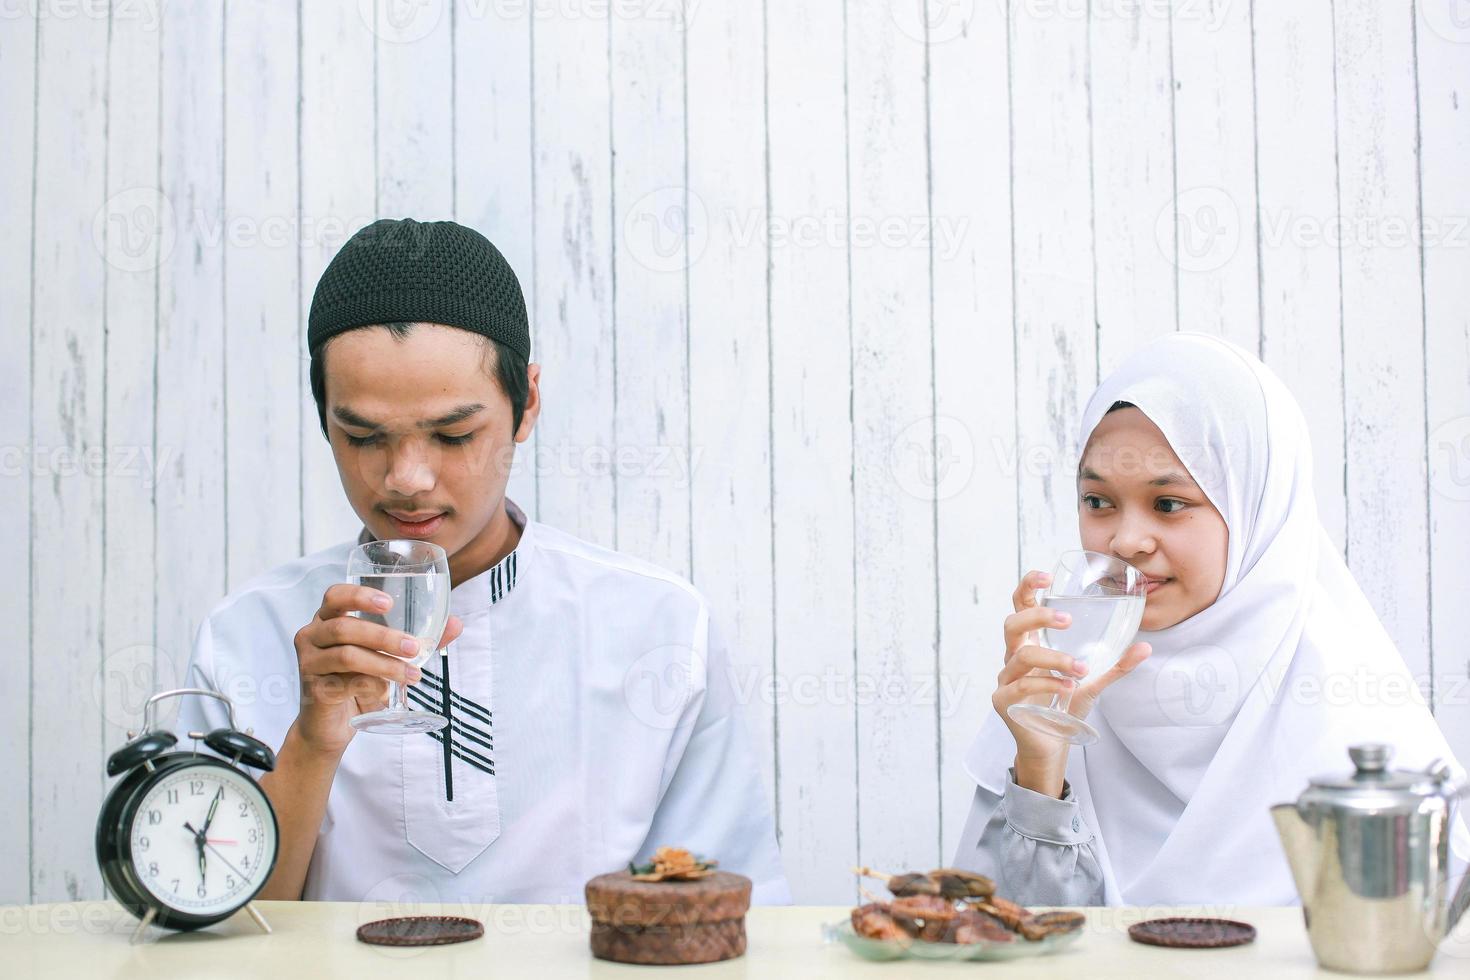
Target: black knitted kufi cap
x: 420, y: 272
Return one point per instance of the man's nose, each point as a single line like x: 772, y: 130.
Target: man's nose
x: 411, y: 470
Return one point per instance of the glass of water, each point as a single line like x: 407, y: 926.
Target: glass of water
x: 415, y: 575
x: 1105, y: 597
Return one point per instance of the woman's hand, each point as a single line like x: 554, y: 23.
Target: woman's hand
x: 1041, y: 760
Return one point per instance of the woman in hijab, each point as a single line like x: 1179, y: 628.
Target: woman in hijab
x: 1258, y: 662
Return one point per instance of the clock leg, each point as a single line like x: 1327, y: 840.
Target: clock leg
x: 265, y: 926
x: 147, y: 921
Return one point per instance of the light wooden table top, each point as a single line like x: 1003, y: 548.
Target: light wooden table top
x: 314, y: 939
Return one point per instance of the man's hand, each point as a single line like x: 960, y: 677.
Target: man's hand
x: 344, y: 671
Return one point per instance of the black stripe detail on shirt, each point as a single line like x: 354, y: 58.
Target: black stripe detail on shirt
x: 446, y: 707
x: 431, y: 682
x: 457, y: 724
x: 464, y: 751
x: 466, y: 756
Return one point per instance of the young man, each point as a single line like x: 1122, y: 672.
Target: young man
x: 592, y: 717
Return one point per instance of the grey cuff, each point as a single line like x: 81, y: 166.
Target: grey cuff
x: 1044, y: 818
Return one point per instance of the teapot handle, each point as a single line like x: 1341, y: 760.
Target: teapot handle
x: 1443, y: 773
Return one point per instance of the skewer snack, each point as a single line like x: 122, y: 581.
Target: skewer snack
x: 949, y: 905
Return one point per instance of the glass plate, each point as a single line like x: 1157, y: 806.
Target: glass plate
x: 919, y: 949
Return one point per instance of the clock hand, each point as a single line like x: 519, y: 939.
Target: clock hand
x: 198, y: 843
x: 213, y: 806
x: 217, y: 854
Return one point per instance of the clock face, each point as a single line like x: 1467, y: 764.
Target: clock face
x: 203, y: 839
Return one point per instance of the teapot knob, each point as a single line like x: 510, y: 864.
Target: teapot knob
x: 1371, y: 758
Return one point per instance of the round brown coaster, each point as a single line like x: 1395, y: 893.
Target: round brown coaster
x: 1185, y: 933
x: 420, y: 930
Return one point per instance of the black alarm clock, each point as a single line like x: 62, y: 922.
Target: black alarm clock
x: 186, y: 839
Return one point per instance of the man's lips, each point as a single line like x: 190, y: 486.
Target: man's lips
x: 415, y: 516
x: 416, y: 524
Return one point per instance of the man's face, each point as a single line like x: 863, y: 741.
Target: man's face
x: 421, y: 431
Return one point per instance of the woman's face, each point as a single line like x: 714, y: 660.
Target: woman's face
x: 1137, y: 501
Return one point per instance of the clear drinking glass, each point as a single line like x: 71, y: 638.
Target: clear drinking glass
x: 1105, y: 597
x: 415, y: 574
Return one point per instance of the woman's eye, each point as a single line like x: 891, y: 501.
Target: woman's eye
x: 360, y: 440
x: 1093, y: 502
x: 1170, y: 506
x: 449, y: 440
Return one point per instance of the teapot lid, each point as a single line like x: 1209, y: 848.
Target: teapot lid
x: 1375, y: 786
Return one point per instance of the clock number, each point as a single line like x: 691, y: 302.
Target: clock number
x: 245, y: 862
x: 230, y: 882
x: 176, y: 886
x: 196, y: 787
x: 200, y: 891
x: 155, y: 817
x: 142, y: 843
x: 173, y: 795
x: 153, y: 869
x: 244, y: 809
x: 252, y: 835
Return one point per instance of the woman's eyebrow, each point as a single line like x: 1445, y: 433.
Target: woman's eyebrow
x: 1171, y: 480
x: 1165, y: 480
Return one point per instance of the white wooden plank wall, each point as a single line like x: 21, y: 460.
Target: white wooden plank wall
x: 819, y: 289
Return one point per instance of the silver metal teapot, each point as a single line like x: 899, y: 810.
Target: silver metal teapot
x: 1371, y: 856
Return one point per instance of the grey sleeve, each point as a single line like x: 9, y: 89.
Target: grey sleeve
x: 1038, y: 849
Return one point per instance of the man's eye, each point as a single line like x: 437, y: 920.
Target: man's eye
x: 449, y: 440
x: 360, y: 440
x: 1170, y: 506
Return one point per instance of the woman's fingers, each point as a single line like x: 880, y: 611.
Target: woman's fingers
x: 1025, y: 595
x: 1019, y: 626
x: 1030, y: 686
x: 1030, y: 658
x: 1132, y: 657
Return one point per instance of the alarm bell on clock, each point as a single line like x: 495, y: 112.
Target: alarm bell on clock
x: 185, y: 839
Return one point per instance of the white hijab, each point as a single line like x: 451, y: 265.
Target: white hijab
x: 1241, y: 704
